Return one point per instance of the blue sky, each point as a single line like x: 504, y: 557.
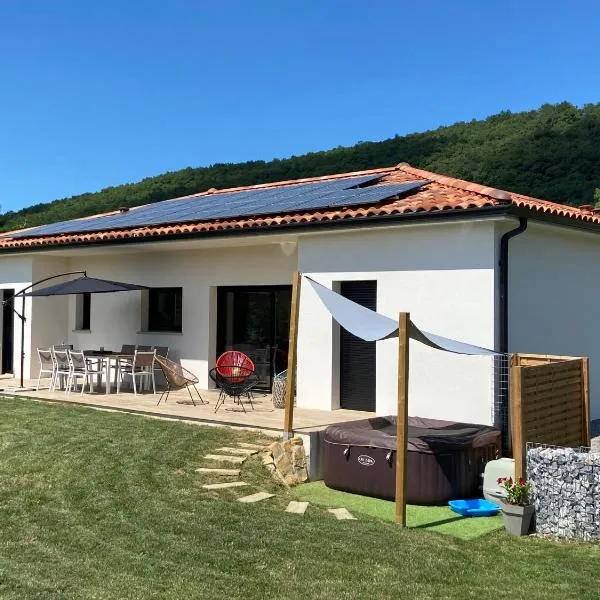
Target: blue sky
x: 95, y: 93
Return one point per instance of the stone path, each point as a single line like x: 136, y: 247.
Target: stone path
x: 251, y: 446
x: 255, y: 497
x: 298, y: 508
x: 342, y: 514
x: 218, y: 471
x: 222, y: 486
x: 242, y: 451
x: 226, y: 458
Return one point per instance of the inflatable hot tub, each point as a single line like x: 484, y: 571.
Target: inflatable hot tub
x: 445, y: 459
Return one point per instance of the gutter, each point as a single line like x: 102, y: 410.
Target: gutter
x: 503, y: 395
x: 503, y: 264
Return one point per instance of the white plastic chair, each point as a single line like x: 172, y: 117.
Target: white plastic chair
x: 47, y: 365
x: 82, y: 368
x: 142, y: 367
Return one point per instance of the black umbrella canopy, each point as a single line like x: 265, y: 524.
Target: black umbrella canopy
x: 86, y: 285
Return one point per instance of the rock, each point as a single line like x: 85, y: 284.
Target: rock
x: 287, y: 461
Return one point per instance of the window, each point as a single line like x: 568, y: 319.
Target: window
x: 83, y: 304
x: 164, y: 309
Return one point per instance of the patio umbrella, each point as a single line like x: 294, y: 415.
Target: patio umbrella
x: 81, y: 285
x: 86, y: 285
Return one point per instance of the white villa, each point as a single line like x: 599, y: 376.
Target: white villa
x: 473, y: 263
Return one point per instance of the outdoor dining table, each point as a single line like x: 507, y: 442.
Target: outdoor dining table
x: 109, y: 357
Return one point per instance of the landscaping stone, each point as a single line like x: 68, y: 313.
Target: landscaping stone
x: 226, y: 458
x: 251, y: 446
x: 286, y: 461
x: 342, y: 514
x: 241, y: 451
x: 298, y: 508
x: 218, y: 471
x: 566, y: 491
x: 222, y: 486
x: 255, y: 497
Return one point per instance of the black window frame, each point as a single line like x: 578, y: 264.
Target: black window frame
x: 162, y: 321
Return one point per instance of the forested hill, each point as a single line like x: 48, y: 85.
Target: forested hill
x: 551, y: 153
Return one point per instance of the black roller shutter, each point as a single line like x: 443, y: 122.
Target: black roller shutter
x: 357, y: 357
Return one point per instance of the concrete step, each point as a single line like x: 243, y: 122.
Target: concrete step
x: 342, y: 514
x: 255, y: 497
x: 241, y: 451
x: 298, y: 508
x: 252, y: 446
x: 218, y: 471
x: 222, y: 486
x: 226, y: 458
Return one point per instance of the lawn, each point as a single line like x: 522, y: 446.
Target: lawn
x: 432, y: 518
x: 107, y: 505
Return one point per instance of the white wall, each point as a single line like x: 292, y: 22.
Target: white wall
x: 49, y: 316
x: 554, y: 292
x: 116, y: 318
x: 445, y: 276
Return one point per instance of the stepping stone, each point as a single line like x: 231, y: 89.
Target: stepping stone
x: 342, y: 514
x: 242, y: 451
x: 222, y: 486
x: 298, y: 508
x: 255, y: 497
x: 225, y: 458
x: 218, y: 471
x: 251, y: 446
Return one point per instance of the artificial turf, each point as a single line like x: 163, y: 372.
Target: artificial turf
x: 431, y: 518
x: 101, y: 505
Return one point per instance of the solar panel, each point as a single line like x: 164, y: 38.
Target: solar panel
x: 245, y: 203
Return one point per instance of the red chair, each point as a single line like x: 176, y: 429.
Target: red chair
x: 234, y: 365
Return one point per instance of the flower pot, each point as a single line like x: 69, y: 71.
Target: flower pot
x: 517, y: 519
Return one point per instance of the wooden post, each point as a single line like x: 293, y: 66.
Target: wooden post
x: 585, y: 389
x: 288, y: 419
x: 402, y: 417
x: 516, y: 421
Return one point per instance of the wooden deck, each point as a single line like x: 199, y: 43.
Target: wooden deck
x: 264, y: 417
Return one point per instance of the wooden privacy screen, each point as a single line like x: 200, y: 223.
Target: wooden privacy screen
x: 549, y: 403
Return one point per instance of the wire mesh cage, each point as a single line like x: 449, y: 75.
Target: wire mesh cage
x: 278, y: 392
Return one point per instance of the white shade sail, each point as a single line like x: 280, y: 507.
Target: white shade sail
x: 370, y: 326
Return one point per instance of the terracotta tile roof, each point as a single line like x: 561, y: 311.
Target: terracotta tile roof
x: 442, y: 193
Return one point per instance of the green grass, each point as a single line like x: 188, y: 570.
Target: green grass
x: 431, y: 518
x: 100, y: 505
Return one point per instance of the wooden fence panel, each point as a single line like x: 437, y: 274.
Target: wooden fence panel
x: 549, y: 403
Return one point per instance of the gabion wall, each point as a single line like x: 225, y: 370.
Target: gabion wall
x: 566, y: 491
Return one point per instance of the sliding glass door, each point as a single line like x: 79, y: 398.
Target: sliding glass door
x: 256, y: 321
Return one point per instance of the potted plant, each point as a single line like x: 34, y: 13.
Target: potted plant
x: 517, y: 509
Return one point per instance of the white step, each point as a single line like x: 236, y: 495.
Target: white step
x: 218, y: 471
x: 222, y: 486
x: 298, y: 508
x: 225, y: 458
x: 342, y: 514
x: 256, y: 497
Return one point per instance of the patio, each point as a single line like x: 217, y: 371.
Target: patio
x: 264, y: 417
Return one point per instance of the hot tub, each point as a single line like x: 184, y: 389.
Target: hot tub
x: 445, y: 459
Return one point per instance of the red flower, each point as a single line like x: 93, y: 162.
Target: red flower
x: 510, y: 481
x: 500, y: 480
x: 521, y: 480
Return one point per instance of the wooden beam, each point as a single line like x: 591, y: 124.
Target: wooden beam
x: 585, y: 388
x: 516, y: 421
x: 288, y: 418
x: 402, y: 417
